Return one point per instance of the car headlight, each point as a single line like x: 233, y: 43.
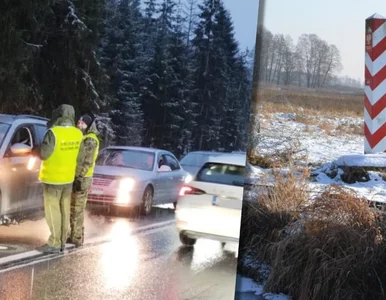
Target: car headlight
x: 126, y: 185
x: 188, y: 178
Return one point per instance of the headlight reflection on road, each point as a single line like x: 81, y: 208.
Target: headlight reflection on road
x: 206, y: 253
x: 119, y: 259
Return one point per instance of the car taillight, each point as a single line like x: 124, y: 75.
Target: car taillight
x: 189, y: 190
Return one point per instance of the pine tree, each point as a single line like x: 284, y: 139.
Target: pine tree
x: 179, y: 119
x: 120, y: 58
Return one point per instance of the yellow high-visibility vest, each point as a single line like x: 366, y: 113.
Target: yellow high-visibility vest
x: 90, y: 171
x: 60, y: 167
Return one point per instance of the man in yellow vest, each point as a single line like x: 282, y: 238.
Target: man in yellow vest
x: 58, y: 152
x: 83, y: 178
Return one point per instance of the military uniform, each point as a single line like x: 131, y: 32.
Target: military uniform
x: 59, y: 152
x: 83, y: 179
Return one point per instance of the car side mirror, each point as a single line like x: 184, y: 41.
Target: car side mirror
x: 20, y: 149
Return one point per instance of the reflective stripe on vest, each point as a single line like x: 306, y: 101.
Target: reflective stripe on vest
x: 60, y: 167
x: 90, y: 171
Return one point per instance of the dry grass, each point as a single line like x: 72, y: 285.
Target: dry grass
x: 338, y: 253
x: 265, y: 220
x: 328, y: 104
x: 309, y: 106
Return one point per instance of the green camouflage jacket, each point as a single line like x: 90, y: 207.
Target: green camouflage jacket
x: 86, y: 153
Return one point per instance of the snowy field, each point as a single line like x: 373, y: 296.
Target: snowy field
x: 323, y: 151
x: 320, y: 149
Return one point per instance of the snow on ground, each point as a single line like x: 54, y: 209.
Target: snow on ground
x: 322, y: 150
x: 247, y: 285
x: 360, y: 160
x: 279, y: 132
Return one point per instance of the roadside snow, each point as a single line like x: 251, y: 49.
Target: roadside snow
x: 361, y: 160
x: 247, y: 285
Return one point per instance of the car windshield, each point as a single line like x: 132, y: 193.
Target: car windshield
x: 195, y: 159
x: 3, y: 131
x: 134, y: 159
x: 222, y: 174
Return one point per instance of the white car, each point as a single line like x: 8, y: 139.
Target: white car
x: 210, y: 205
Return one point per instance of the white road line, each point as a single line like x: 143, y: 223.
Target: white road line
x: 142, y: 231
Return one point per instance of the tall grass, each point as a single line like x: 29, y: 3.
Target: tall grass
x: 332, y: 104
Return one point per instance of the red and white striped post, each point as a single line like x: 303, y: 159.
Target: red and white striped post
x: 375, y: 85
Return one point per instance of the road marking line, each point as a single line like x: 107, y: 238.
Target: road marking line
x: 143, y: 230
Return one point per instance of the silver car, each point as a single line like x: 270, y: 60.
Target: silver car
x: 136, y: 177
x: 20, y: 189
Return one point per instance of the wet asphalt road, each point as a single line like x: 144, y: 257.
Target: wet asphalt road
x: 148, y: 265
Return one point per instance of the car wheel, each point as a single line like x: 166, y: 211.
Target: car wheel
x: 175, y: 205
x: 147, y: 201
x: 187, y: 241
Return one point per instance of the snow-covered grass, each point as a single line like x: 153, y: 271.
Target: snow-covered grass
x: 293, y: 140
x: 322, y: 151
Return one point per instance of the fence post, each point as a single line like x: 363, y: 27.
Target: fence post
x: 375, y: 85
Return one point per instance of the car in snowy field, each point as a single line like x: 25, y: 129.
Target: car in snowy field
x: 194, y: 160
x: 20, y: 188
x: 210, y: 205
x: 136, y: 177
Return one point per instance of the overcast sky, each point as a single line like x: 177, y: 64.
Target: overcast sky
x: 339, y: 22
x: 244, y: 17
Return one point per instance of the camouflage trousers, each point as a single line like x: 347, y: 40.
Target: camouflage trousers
x: 78, y: 205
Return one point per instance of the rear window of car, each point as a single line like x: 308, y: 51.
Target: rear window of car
x: 222, y: 174
x: 196, y: 159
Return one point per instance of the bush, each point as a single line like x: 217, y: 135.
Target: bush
x: 264, y: 221
x: 338, y: 253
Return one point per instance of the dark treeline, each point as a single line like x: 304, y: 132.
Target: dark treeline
x: 163, y: 73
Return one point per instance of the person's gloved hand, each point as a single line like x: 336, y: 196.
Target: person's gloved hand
x: 77, y: 186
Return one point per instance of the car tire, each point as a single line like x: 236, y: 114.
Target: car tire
x: 147, y: 201
x: 187, y: 241
x: 175, y: 205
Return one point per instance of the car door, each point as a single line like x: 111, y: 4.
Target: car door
x: 162, y: 182
x: 21, y: 171
x: 39, y: 133
x: 176, y: 177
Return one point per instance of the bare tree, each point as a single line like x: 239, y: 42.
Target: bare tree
x: 312, y: 61
x: 333, y: 63
x: 288, y: 60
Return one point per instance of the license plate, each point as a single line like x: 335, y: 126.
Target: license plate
x: 97, y: 192
x: 215, y: 201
